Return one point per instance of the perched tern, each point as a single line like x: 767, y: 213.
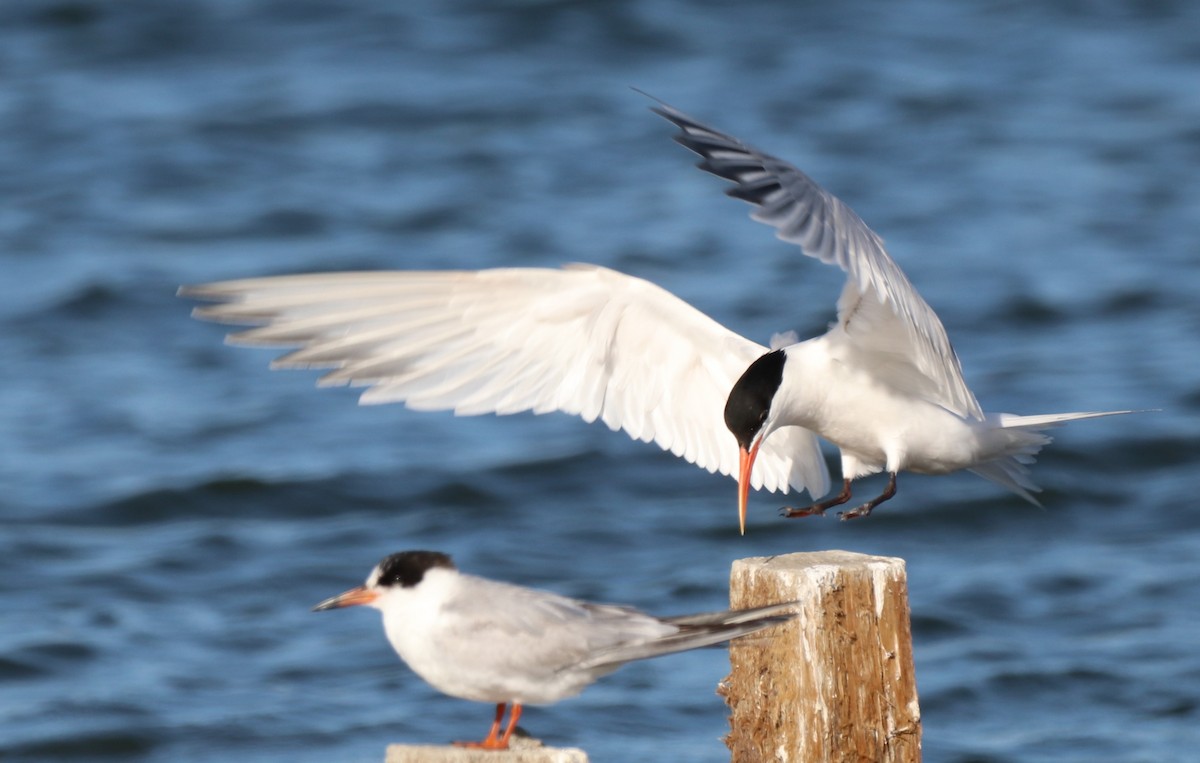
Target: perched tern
x: 883, y: 383
x: 487, y: 641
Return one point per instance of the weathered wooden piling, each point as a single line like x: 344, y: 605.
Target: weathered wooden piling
x: 521, y: 750
x: 836, y: 684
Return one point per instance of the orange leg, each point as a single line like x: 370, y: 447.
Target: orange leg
x: 513, y: 717
x: 491, y: 742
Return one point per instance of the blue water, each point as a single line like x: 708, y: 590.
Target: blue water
x: 171, y: 509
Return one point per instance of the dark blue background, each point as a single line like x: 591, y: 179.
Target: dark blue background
x: 171, y: 509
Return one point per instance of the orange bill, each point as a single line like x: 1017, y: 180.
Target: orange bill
x: 745, y: 465
x: 353, y: 597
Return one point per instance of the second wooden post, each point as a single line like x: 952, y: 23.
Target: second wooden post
x: 836, y: 684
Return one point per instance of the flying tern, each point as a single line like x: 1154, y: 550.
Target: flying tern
x: 883, y: 384
x: 488, y: 641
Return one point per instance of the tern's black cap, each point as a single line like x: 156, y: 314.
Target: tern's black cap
x: 407, y: 568
x: 750, y: 399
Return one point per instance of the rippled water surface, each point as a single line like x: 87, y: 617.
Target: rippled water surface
x: 171, y: 509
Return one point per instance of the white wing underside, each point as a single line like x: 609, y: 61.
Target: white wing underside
x: 584, y: 340
x: 883, y: 323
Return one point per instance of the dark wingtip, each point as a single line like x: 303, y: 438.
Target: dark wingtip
x: 668, y: 112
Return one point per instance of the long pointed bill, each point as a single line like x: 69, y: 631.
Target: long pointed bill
x: 351, y: 598
x: 745, y: 465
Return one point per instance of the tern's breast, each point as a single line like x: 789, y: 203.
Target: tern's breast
x: 881, y: 424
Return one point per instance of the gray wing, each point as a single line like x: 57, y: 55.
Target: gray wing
x: 883, y: 323
x: 693, y: 632
x: 536, y: 632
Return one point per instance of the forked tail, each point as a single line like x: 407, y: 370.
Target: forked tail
x: 1021, y: 439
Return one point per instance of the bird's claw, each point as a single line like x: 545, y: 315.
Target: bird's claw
x: 789, y: 512
x: 861, y: 511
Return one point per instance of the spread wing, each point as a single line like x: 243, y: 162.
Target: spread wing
x: 883, y: 323
x: 583, y: 339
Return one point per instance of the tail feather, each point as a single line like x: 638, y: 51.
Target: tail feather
x: 1008, y: 472
x: 1024, y: 439
x: 1046, y: 420
x: 735, y: 616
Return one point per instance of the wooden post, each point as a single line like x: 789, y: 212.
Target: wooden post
x: 836, y: 684
x: 522, y: 750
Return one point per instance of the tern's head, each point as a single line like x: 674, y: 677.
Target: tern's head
x: 748, y: 416
x: 398, y: 572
